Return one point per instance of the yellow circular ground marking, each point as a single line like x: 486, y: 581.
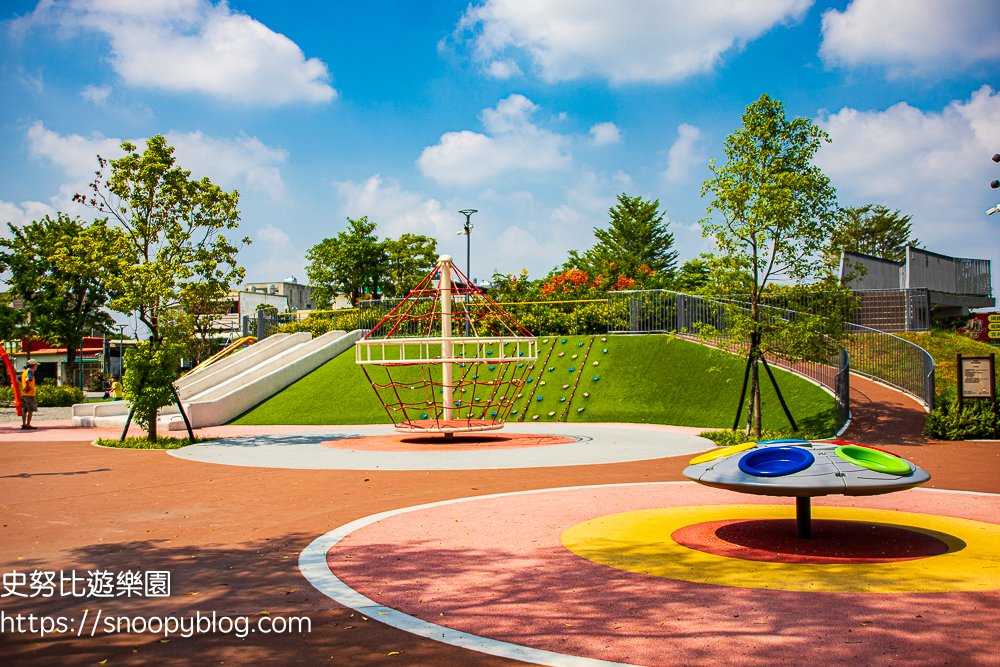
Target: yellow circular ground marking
x: 640, y: 542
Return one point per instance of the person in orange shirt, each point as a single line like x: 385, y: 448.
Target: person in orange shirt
x: 29, y: 404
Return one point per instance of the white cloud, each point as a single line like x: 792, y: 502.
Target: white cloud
x: 22, y: 214
x: 396, y: 211
x: 626, y: 41
x: 514, y: 143
x: 229, y: 162
x: 603, y: 134
x: 95, y: 94
x: 273, y: 236
x: 685, y: 154
x: 193, y: 45
x: 912, y: 36
x: 503, y: 69
x: 623, y: 179
x: 933, y: 166
x: 234, y: 162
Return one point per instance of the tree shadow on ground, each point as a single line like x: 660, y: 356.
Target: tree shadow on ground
x: 246, y: 579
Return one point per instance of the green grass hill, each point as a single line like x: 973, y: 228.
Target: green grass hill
x: 654, y: 379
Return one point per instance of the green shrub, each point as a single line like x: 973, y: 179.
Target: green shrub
x: 96, y: 381
x: 48, y: 396
x: 321, y: 324
x: 728, y: 438
x: 162, y: 442
x: 976, y: 420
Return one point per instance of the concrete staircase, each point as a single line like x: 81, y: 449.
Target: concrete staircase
x: 226, y: 389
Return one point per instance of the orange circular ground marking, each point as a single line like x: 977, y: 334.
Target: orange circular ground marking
x: 400, y: 442
x: 641, y: 541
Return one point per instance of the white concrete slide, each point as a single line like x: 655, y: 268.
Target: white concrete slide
x: 230, y: 387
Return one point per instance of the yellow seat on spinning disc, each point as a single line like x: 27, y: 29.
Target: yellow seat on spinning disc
x: 722, y: 451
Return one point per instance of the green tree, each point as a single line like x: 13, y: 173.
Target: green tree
x: 56, y: 268
x: 508, y: 287
x: 408, y: 259
x: 169, y: 235
x: 777, y: 210
x: 871, y: 230
x: 196, y: 319
x: 694, y: 275
x: 352, y: 263
x: 637, y: 237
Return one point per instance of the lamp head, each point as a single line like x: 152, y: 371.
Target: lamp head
x: 995, y: 184
x: 996, y: 157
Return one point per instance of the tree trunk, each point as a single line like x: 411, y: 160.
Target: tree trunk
x: 756, y: 401
x: 152, y: 427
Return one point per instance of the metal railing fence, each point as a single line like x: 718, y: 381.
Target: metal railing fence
x: 708, y: 320
x: 541, y: 318
x: 870, y: 352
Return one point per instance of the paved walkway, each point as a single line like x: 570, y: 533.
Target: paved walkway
x: 231, y: 537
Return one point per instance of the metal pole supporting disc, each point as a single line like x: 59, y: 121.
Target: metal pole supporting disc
x: 803, y: 518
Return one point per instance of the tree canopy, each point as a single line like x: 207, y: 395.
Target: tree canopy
x: 408, y: 259
x: 57, y: 270
x: 871, y: 230
x: 169, y: 233
x: 356, y: 263
x: 637, y: 237
x: 777, y: 211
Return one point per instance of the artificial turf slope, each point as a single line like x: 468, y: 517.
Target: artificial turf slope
x: 642, y: 379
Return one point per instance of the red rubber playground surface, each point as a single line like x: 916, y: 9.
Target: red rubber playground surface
x: 528, y: 569
x: 906, y: 578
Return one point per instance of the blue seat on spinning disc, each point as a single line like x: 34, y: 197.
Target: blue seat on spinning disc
x: 776, y: 461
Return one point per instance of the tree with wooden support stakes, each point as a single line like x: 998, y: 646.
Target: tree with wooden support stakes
x: 777, y: 209
x: 167, y: 239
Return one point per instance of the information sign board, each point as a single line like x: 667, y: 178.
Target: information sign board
x: 976, y: 377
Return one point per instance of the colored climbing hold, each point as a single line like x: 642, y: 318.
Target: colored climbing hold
x: 563, y: 340
x: 539, y: 398
x: 528, y: 380
x: 520, y: 365
x: 596, y: 362
x: 534, y: 416
x: 552, y: 368
x: 541, y: 383
x: 546, y: 340
x: 562, y: 399
x: 603, y: 339
x: 585, y: 394
x: 520, y: 354
x: 461, y: 365
x: 551, y: 414
x: 565, y: 386
x: 580, y: 344
x: 561, y: 353
x: 596, y: 378
x: 579, y: 409
x: 492, y: 367
x: 574, y: 356
x: 489, y: 351
x: 571, y: 369
x: 493, y: 414
x: 605, y: 350
x: 423, y: 416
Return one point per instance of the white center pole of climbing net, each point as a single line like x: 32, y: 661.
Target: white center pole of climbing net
x: 444, y: 286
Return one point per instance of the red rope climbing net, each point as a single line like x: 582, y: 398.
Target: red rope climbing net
x: 466, y: 380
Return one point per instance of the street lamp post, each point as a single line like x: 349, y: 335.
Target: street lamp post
x: 995, y: 184
x: 121, y: 350
x: 467, y: 230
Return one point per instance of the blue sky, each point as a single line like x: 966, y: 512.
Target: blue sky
x: 535, y: 112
